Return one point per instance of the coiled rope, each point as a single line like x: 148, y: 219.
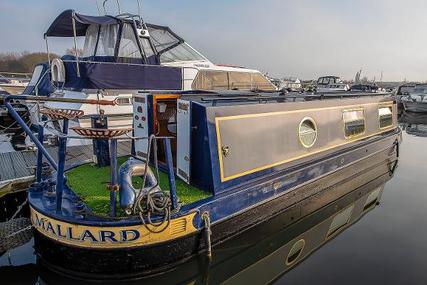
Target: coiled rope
x: 153, y: 201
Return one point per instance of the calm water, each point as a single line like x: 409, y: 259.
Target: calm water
x: 385, y: 246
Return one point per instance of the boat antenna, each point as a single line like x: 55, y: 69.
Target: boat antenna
x: 97, y: 7
x: 118, y: 6
x: 139, y: 8
x: 103, y: 5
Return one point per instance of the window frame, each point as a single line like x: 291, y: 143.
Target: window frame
x: 390, y: 106
x: 344, y: 122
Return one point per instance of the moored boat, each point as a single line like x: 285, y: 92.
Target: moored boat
x: 331, y: 84
x: 416, y: 100
x: 224, y: 162
x: 267, y: 251
x: 13, y: 85
x: 123, y: 55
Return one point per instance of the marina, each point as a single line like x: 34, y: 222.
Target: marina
x: 133, y: 158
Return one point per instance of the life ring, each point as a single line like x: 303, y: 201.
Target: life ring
x: 57, y: 70
x: 127, y: 193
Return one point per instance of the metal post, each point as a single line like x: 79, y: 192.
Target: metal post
x: 47, y: 50
x: 29, y: 133
x: 75, y: 45
x: 101, y: 153
x: 40, y: 137
x: 61, y: 167
x: 171, y: 174
x: 113, y: 181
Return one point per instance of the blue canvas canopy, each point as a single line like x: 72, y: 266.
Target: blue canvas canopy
x: 62, y: 26
x: 41, y: 81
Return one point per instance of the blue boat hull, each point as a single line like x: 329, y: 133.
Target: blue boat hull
x: 310, y: 185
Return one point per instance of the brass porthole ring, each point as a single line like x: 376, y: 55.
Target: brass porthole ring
x: 307, y: 132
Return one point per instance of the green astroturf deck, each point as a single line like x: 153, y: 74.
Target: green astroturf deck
x: 89, y: 182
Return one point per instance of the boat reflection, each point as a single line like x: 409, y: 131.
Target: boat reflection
x: 414, y: 123
x: 266, y: 252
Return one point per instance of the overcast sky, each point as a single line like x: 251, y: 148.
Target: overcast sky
x: 302, y: 38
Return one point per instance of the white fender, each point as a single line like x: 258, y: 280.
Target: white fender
x: 57, y: 70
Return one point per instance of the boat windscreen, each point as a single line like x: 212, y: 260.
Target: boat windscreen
x: 170, y: 46
x: 163, y: 38
x: 182, y: 52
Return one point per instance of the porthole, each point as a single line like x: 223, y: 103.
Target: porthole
x: 307, y: 132
x: 295, y: 252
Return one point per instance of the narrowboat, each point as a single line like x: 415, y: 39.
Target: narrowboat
x: 204, y: 167
x: 267, y: 251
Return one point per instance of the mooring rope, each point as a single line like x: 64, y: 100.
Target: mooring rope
x: 153, y: 201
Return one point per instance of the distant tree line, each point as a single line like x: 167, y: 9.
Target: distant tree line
x: 21, y: 61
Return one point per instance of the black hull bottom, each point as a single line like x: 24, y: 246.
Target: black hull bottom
x: 136, y: 262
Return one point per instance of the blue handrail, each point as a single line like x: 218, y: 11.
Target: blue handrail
x: 28, y: 131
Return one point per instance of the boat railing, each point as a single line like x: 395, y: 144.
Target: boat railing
x: 261, y: 98
x: 113, y: 135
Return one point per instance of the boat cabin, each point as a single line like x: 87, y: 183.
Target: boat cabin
x: 271, y: 130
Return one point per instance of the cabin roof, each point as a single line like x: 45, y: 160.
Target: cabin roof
x: 62, y: 26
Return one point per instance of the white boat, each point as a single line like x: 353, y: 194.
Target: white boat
x: 124, y: 56
x: 416, y: 99
x: 13, y: 86
x: 331, y: 84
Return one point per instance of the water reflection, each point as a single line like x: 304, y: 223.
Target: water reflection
x: 414, y: 123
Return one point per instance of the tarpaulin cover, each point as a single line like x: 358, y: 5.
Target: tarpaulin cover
x: 62, y: 26
x: 122, y: 76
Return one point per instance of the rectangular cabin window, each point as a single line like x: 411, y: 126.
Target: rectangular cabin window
x: 260, y: 82
x: 354, y: 123
x: 232, y: 80
x: 240, y: 80
x: 123, y: 101
x: 385, y: 115
x: 211, y: 80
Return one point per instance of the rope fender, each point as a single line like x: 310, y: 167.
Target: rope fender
x: 208, y: 232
